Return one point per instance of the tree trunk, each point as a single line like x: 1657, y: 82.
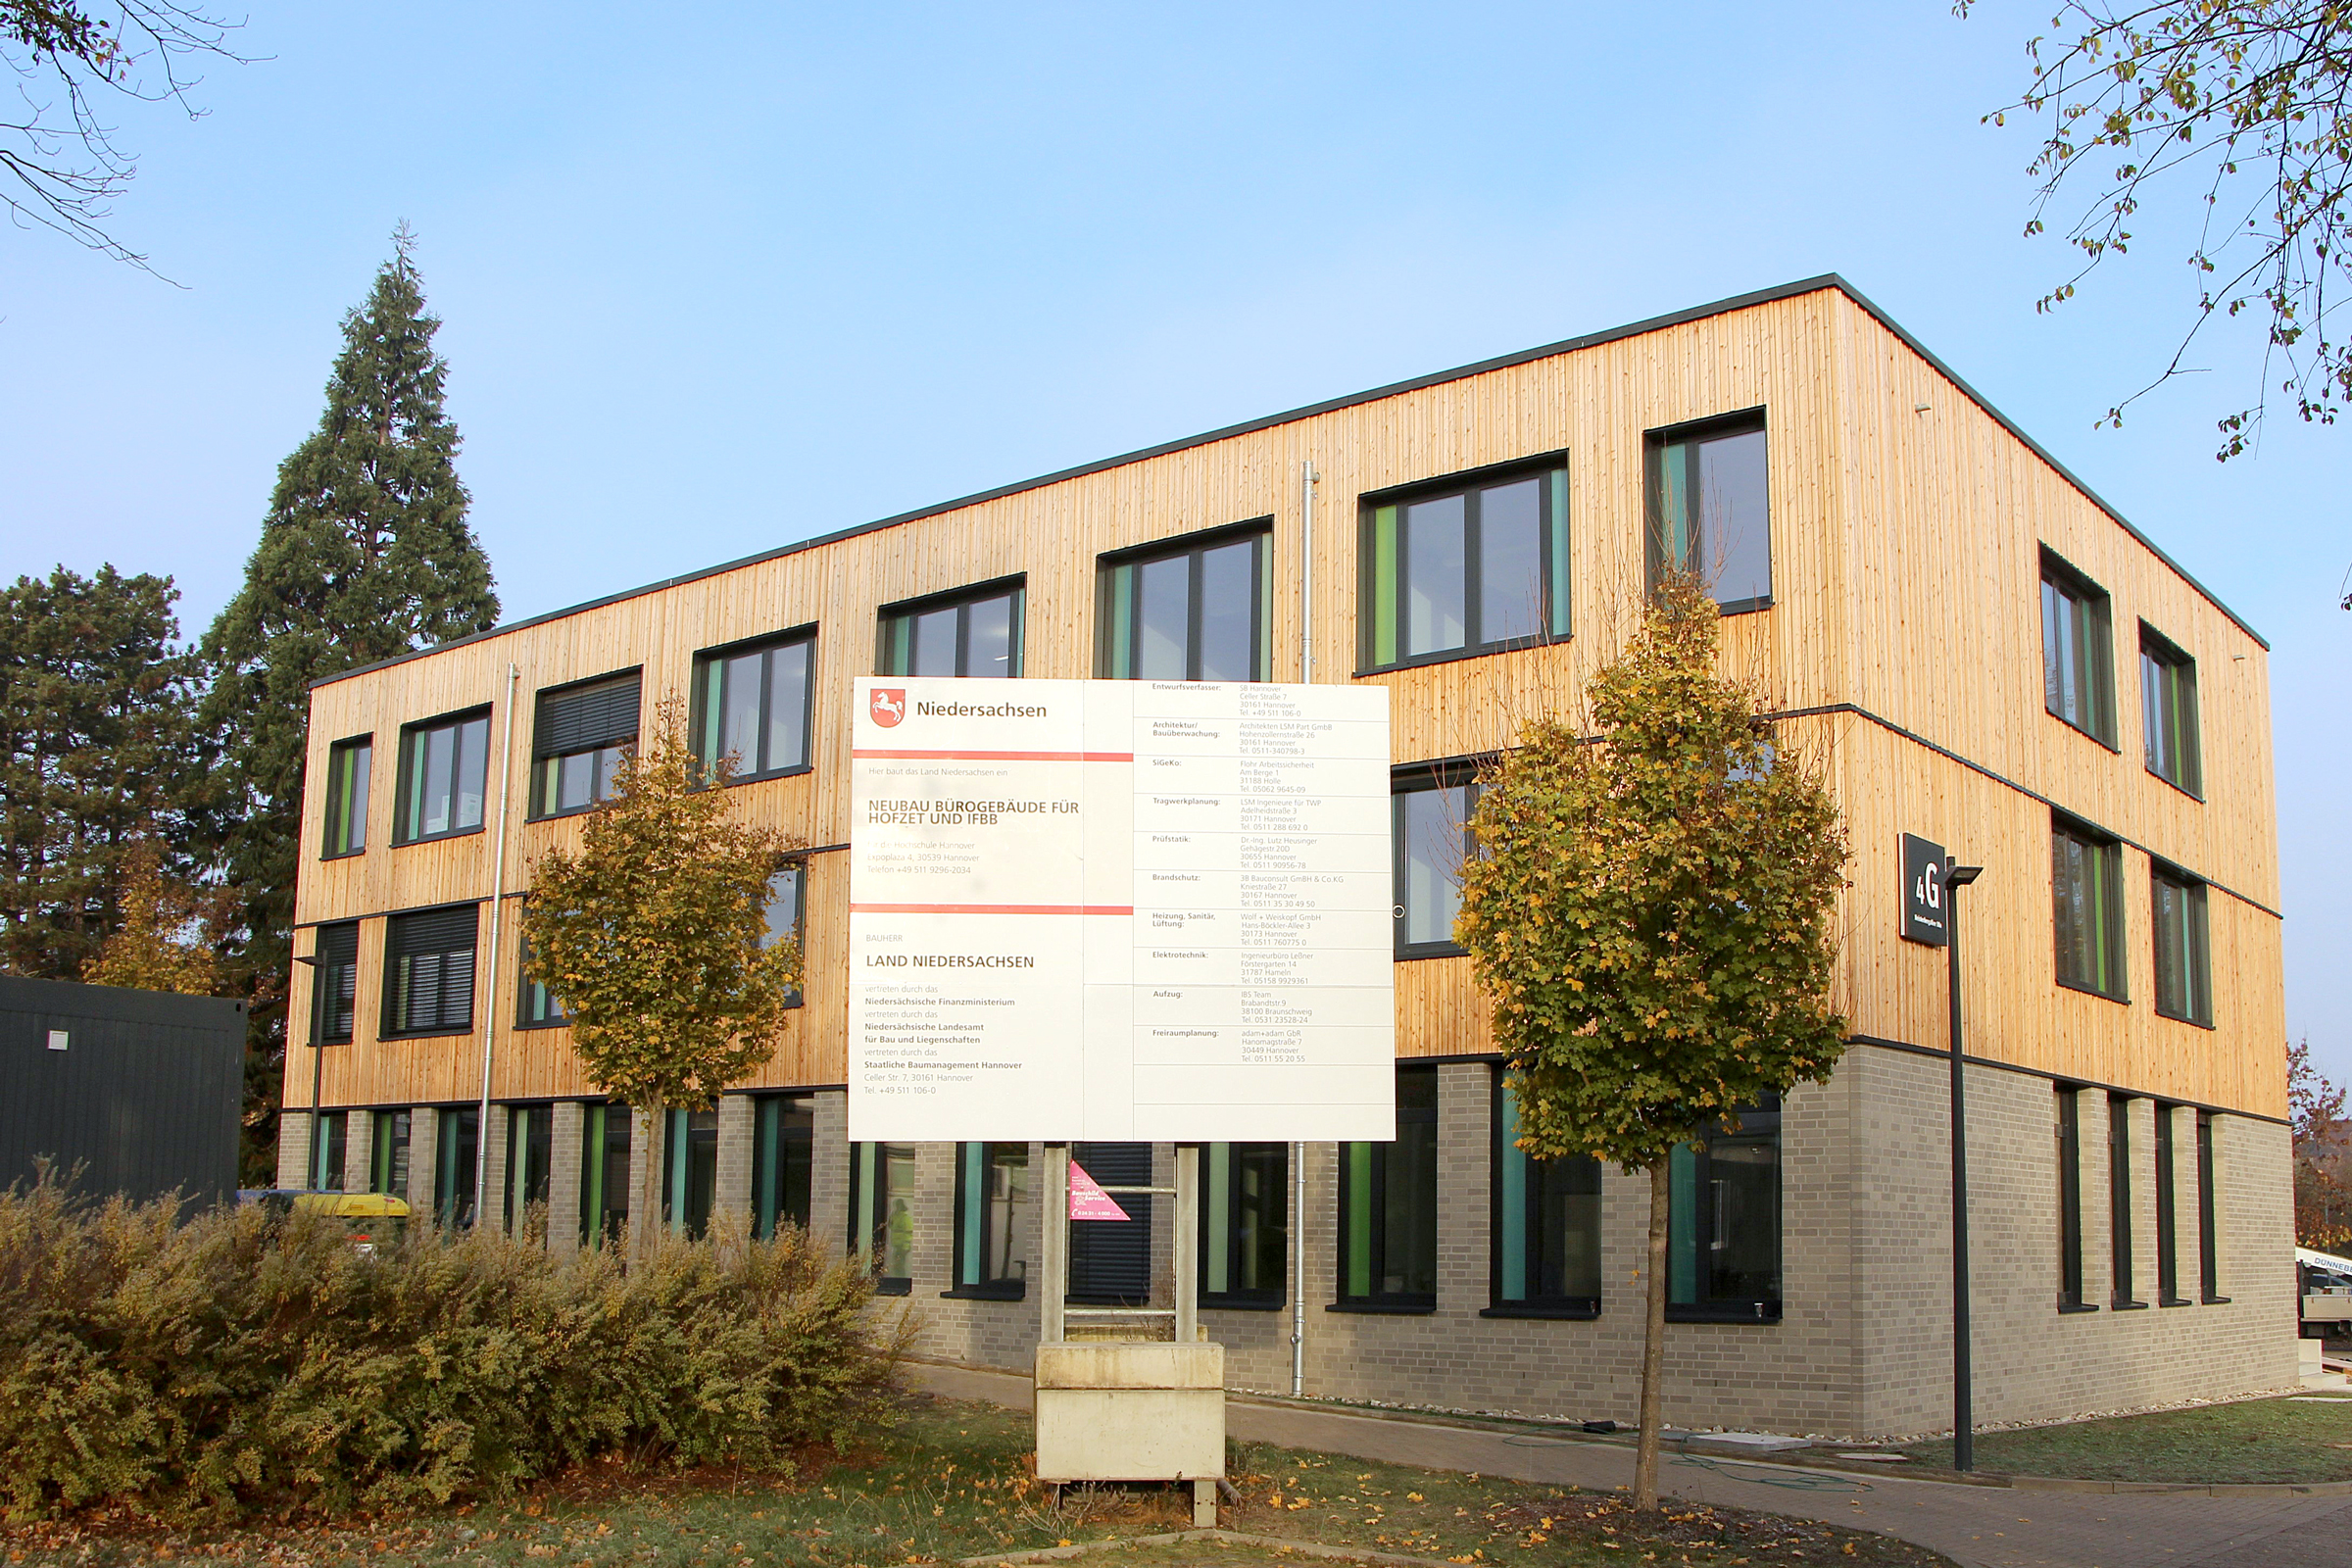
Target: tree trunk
x: 1653, y: 1339
x: 645, y: 1204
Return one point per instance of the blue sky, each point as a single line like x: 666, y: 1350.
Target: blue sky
x: 764, y: 271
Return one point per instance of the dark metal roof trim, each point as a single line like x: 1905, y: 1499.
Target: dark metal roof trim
x: 1656, y: 323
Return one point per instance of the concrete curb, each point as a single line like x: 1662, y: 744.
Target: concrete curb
x: 1227, y: 1537
x: 2190, y: 1488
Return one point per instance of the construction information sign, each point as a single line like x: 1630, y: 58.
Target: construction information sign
x: 1120, y: 910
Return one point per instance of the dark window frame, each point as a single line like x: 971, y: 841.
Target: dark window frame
x: 335, y: 971
x: 1765, y: 1310
x: 2168, y: 1209
x: 405, y: 777
x: 863, y: 1246
x: 689, y: 1192
x: 1555, y: 576
x: 605, y: 1201
x: 538, y: 807
x: 453, y: 1187
x: 2070, y: 583
x: 1376, y: 1163
x: 2068, y: 829
x: 2209, y: 1258
x: 1423, y: 778
x: 1111, y: 1261
x: 2122, y: 1279
x: 1195, y: 546
x: 342, y: 798
x: 1016, y: 587
x: 389, y: 1136
x: 2069, y: 1129
x: 531, y: 1158
x: 975, y: 1224
x: 329, y: 1155
x: 797, y: 867
x: 773, y: 1172
x: 700, y: 714
x: 2198, y: 954
x: 530, y: 992
x: 2183, y: 722
x: 1233, y: 1236
x: 1714, y: 426
x: 393, y: 925
x: 1532, y: 1304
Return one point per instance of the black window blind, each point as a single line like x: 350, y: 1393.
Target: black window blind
x: 582, y: 719
x: 1111, y: 1261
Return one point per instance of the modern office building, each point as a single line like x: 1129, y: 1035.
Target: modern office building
x: 1976, y: 650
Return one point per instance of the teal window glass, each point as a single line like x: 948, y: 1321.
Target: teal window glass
x: 2183, y: 953
x: 1546, y: 1247
x: 783, y: 1144
x: 329, y: 1143
x: 2078, y: 669
x: 457, y: 1145
x: 603, y: 1173
x: 1709, y: 509
x: 1723, y: 1234
x: 444, y: 766
x: 975, y: 633
x: 2087, y: 910
x: 1245, y: 1224
x: 751, y: 707
x: 996, y: 1223
x: 1466, y: 568
x: 690, y: 1171
x: 2168, y: 721
x: 1187, y: 612
x: 882, y: 1212
x: 1389, y: 1205
x: 348, y: 765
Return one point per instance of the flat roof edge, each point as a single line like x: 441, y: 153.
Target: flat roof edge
x: 1505, y: 362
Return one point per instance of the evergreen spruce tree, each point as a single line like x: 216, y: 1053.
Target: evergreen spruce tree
x: 365, y: 555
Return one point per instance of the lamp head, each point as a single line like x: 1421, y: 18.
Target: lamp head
x: 1960, y: 876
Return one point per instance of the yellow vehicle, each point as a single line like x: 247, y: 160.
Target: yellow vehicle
x: 375, y: 1219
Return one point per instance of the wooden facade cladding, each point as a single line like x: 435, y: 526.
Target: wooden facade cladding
x: 1905, y: 562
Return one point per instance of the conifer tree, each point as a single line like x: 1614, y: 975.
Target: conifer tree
x: 365, y: 554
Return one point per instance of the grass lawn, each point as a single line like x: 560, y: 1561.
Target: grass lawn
x: 2253, y: 1441
x: 953, y: 1481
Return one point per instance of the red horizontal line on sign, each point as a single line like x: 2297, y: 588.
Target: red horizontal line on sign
x: 1000, y: 756
x: 992, y: 908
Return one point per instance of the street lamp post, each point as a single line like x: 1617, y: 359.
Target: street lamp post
x: 1964, y: 1437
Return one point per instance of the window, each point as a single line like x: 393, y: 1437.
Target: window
x: 1245, y: 1224
x: 2184, y: 957
x: 603, y: 1173
x: 2078, y: 671
x: 2209, y: 1262
x: 751, y: 704
x: 786, y: 910
x: 577, y: 742
x: 2118, y: 1203
x: 2087, y: 910
x: 535, y: 1005
x: 443, y: 766
x: 1466, y: 568
x: 1199, y: 611
x: 995, y: 1220
x: 783, y: 1139
x: 1723, y: 1228
x: 456, y: 1146
x: 1111, y: 1260
x: 428, y: 973
x: 1546, y: 1249
x: 881, y: 1214
x: 329, y: 1144
x: 2069, y: 1202
x: 335, y: 982
x: 2168, y: 1211
x: 973, y: 631
x: 690, y: 1171
x: 1709, y: 510
x: 530, y: 1144
x: 1389, y: 1207
x: 2168, y: 709
x: 388, y: 1154
x: 1432, y: 837
x: 347, y: 767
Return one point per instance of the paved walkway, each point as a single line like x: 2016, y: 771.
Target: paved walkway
x: 1982, y: 1527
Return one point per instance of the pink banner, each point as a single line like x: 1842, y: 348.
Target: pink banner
x: 1088, y: 1199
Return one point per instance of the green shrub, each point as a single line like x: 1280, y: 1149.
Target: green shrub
x: 239, y: 1361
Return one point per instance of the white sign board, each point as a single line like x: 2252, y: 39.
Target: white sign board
x: 1120, y: 910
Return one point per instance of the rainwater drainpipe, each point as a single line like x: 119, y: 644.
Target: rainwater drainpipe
x: 498, y: 896
x: 1306, y: 676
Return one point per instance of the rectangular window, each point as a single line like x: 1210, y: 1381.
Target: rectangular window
x: 1245, y: 1224
x: 1432, y: 837
x: 444, y: 766
x: 2069, y: 1202
x: 2118, y: 1202
x: 995, y: 1220
x: 2078, y: 666
x: 347, y: 769
x: 2209, y: 1257
x: 535, y: 1005
x: 329, y: 1144
x: 2168, y: 709
x: 1111, y: 1260
x: 1389, y: 1206
x: 786, y: 912
x: 2087, y: 908
x: 1196, y: 610
x: 1723, y: 1229
x: 335, y: 982
x: 752, y: 704
x: 882, y: 1213
x: 971, y: 632
x: 690, y: 1171
x: 1466, y: 568
x: 531, y: 1147
x: 603, y: 1173
x: 577, y: 740
x: 1546, y: 1249
x: 2168, y: 1211
x: 428, y: 971
x: 388, y: 1154
x: 783, y: 1141
x: 1711, y: 511
x: 456, y: 1146
x: 2183, y: 955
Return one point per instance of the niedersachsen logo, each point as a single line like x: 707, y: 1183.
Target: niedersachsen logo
x: 978, y: 710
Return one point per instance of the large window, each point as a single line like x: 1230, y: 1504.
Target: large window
x: 783, y: 1139
x: 690, y: 1171
x: 1709, y: 510
x: 1465, y: 567
x: 577, y: 741
x: 347, y: 767
x: 457, y: 1145
x: 603, y: 1173
x: 882, y: 1213
x: 530, y: 1150
x: 444, y: 764
x: 786, y: 914
x: 1722, y: 1231
x: 2120, y: 1281
x: 995, y: 1220
x: 428, y: 971
x: 1389, y: 1207
x: 388, y: 1154
x: 2070, y: 1201
x: 2209, y: 1257
x: 1111, y: 1260
x: 1194, y: 611
x: 330, y: 1133
x: 1546, y: 1249
x: 2087, y: 908
x: 2167, y: 713
x: 752, y: 704
x: 335, y: 982
x: 2078, y: 669
x: 973, y: 631
x: 1431, y: 839
x: 2168, y: 1210
x: 536, y: 1007
x: 2184, y: 956
x: 1245, y: 1224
